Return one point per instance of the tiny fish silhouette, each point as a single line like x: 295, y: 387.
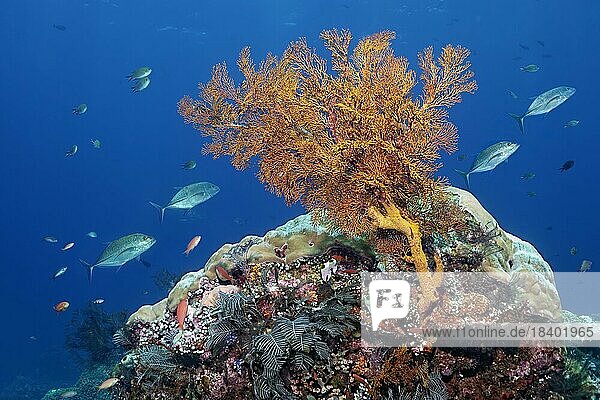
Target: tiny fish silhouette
x: 571, y: 123
x: 60, y: 272
x: 586, y: 265
x: 530, y: 68
x: 527, y: 176
x: 140, y: 73
x: 72, y: 151
x: 62, y: 306
x: 140, y: 85
x: 80, y: 109
x: 189, y: 165
x: 59, y: 27
x: 567, y: 165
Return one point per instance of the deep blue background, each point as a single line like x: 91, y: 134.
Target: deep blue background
x: 45, y: 72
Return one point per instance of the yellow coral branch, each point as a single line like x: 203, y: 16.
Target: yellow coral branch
x: 393, y: 219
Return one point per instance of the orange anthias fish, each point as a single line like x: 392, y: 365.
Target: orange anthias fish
x: 192, y: 244
x: 62, y: 306
x: 222, y: 274
x: 182, y: 312
x: 68, y: 246
x: 110, y: 382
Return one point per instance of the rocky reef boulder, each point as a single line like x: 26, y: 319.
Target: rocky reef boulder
x: 512, y: 256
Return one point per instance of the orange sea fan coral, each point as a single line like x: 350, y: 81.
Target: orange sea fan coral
x: 353, y: 147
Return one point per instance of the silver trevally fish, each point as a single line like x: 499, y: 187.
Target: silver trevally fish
x: 189, y: 197
x: 544, y: 103
x: 121, y: 251
x: 489, y: 158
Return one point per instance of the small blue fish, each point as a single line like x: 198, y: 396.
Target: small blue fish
x: 567, y: 165
x: 140, y: 73
x: 586, y: 265
x: 527, y: 176
x: 50, y: 239
x: 189, y: 165
x: 72, y: 151
x: 80, y: 109
x: 60, y: 272
x: 571, y: 123
x: 530, y: 68
x: 140, y: 85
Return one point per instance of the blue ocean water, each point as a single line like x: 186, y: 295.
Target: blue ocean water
x: 46, y: 71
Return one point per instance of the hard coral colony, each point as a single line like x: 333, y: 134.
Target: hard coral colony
x: 353, y: 147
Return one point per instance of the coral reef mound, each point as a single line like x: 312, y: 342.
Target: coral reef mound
x: 278, y: 317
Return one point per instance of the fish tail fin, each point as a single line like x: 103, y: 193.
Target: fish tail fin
x: 160, y: 209
x: 129, y: 78
x: 519, y: 119
x: 466, y: 176
x: 90, y: 268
